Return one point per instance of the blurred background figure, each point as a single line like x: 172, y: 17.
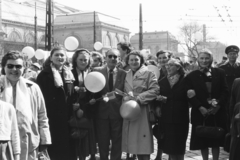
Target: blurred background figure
x: 224, y: 60
x: 124, y: 48
x: 32, y: 72
x: 97, y: 59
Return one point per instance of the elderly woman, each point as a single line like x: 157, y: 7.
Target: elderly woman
x: 81, y: 61
x: 174, y: 110
x: 97, y: 59
x: 141, y: 85
x: 211, y: 91
x: 28, y: 101
x: 56, y: 83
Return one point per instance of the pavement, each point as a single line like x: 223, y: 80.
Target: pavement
x: 189, y: 155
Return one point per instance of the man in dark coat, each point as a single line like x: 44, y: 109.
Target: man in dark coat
x: 232, y: 71
x: 109, y: 120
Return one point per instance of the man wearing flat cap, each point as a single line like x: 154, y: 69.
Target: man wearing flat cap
x: 232, y: 69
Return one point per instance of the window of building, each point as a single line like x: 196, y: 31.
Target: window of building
x: 14, y: 36
x: 29, y: 38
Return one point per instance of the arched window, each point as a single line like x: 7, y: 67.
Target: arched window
x: 116, y: 41
x: 125, y: 38
x: 14, y: 36
x: 107, y: 41
x: 29, y: 38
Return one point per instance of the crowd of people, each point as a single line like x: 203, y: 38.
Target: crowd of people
x: 47, y: 110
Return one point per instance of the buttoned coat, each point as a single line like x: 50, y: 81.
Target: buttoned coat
x: 137, y: 137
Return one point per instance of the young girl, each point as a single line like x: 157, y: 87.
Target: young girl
x: 9, y: 134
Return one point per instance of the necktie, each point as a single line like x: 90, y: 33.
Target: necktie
x: 110, y: 80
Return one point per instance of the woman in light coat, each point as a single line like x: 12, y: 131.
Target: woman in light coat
x: 141, y: 85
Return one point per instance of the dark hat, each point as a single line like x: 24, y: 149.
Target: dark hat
x: 232, y: 48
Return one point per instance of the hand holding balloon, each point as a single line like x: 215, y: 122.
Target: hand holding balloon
x: 76, y: 106
x: 92, y: 101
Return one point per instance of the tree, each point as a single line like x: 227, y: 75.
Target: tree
x: 190, y: 37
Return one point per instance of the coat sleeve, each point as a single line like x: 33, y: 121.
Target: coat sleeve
x: 43, y: 126
x: 152, y: 90
x: 193, y: 101
x: 233, y: 95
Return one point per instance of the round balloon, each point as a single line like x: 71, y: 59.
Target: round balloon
x: 95, y: 82
x: 154, y: 69
x: 98, y: 46
x: 71, y: 43
x: 29, y: 51
x: 40, y: 54
x: 130, y: 110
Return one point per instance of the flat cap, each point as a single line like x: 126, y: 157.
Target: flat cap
x: 232, y: 48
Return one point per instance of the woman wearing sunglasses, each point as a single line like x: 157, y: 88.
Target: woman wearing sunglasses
x: 28, y: 101
x: 56, y: 83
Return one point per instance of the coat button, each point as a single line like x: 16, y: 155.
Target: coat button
x: 144, y: 135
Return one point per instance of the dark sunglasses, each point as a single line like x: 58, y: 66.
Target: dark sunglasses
x: 112, y: 56
x: 10, y: 66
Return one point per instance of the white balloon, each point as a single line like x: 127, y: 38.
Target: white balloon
x: 98, y: 46
x: 154, y: 69
x: 95, y: 82
x: 71, y: 43
x: 145, y: 53
x: 40, y: 54
x: 29, y: 51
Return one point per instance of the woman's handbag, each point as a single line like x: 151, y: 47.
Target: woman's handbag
x: 210, y: 131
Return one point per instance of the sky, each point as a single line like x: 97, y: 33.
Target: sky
x: 222, y: 17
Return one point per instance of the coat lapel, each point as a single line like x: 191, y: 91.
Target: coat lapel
x: 202, y: 83
x: 105, y: 73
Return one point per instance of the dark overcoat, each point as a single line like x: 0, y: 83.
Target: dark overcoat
x: 58, y: 111
x: 219, y: 92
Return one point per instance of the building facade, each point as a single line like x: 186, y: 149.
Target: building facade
x: 155, y: 41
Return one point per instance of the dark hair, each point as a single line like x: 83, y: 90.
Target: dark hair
x: 125, y: 46
x: 77, y: 53
x: 136, y: 53
x: 57, y: 48
x: 164, y: 51
x: 99, y: 57
x: 11, y: 55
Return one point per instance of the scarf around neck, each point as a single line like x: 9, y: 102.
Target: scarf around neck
x: 67, y: 76
x: 22, y: 99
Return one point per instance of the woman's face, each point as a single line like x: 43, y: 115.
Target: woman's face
x: 58, y: 58
x: 14, y: 69
x: 96, y: 62
x: 134, y: 62
x: 172, y: 68
x: 82, y: 60
x: 204, y: 60
x: 163, y: 59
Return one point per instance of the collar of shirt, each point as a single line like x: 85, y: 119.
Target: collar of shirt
x: 233, y: 65
x: 114, y: 70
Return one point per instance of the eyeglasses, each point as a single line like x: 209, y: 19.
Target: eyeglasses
x: 11, y: 66
x: 112, y: 56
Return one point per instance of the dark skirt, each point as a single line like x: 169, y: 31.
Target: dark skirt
x: 86, y: 145
x: 199, y: 143
x: 175, y: 137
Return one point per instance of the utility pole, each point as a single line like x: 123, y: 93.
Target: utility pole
x: 35, y: 28
x: 140, y: 28
x: 94, y: 28
x: 49, y: 25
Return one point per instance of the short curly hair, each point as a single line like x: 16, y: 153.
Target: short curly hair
x: 99, y: 57
x: 77, y: 53
x: 11, y: 55
x: 136, y: 53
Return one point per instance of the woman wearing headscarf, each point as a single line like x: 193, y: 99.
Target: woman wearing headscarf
x: 141, y: 85
x: 27, y: 99
x: 85, y: 145
x: 211, y: 91
x: 174, y: 110
x: 56, y: 82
